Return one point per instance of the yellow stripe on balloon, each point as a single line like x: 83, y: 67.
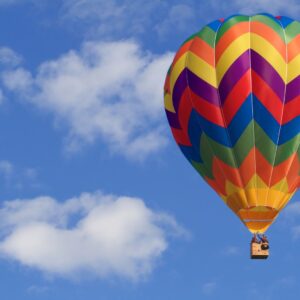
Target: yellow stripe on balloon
x: 284, y: 201
x: 169, y: 103
x: 201, y: 68
x: 269, y: 53
x: 176, y: 70
x: 275, y: 197
x: 257, y: 182
x: 293, y: 69
x: 282, y: 186
x: 231, y: 54
x: 234, y: 192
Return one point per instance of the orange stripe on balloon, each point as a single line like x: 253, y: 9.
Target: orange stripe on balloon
x: 233, y: 33
x: 247, y: 168
x: 203, y: 50
x: 289, y: 169
x: 257, y: 215
x: 270, y: 35
x: 293, y: 48
x: 280, y: 171
x: 183, y: 49
x: 292, y: 176
x: 215, y: 186
x: 263, y: 167
x: 219, y: 176
x: 231, y: 174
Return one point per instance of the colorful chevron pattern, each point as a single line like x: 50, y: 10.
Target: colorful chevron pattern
x: 232, y: 99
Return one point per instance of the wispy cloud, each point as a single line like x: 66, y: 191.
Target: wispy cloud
x: 6, y: 169
x: 15, y: 177
x: 134, y: 18
x: 115, y: 18
x: 19, y: 2
x: 37, y: 289
x: 276, y: 7
x: 231, y: 251
x: 180, y: 18
x: 293, y: 209
x: 128, y: 18
x: 111, y: 90
x: 291, y: 217
x: 268, y: 291
x: 209, y: 287
x: 9, y: 58
x: 97, y: 234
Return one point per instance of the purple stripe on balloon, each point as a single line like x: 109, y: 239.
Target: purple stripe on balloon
x: 233, y: 75
x: 292, y: 89
x: 173, y: 119
x: 202, y: 88
x: 179, y: 87
x: 268, y: 74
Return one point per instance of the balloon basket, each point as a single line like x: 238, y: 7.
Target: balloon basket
x: 259, y: 250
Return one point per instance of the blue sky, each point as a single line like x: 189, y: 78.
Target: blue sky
x: 97, y: 202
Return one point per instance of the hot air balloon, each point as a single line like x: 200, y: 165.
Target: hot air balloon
x: 232, y: 100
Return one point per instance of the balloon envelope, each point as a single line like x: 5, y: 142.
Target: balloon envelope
x: 232, y: 99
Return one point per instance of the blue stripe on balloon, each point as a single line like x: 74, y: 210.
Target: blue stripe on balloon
x: 240, y: 121
x: 265, y: 120
x: 289, y: 130
x: 189, y: 153
x: 285, y: 21
x: 215, y: 25
x: 229, y: 136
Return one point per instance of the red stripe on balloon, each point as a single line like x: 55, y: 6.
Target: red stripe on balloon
x: 291, y: 110
x: 181, y: 137
x: 207, y: 110
x: 184, y: 110
x: 237, y: 97
x: 267, y: 96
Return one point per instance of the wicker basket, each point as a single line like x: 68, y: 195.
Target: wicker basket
x: 259, y: 251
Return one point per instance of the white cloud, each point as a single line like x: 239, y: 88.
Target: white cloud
x: 127, y: 18
x: 2, y: 97
x: 8, y: 2
x: 231, y: 251
x: 16, y: 2
x: 276, y: 7
x: 180, y: 16
x: 118, y: 18
x: 19, y: 79
x: 134, y: 17
x: 6, y: 168
x: 293, y: 209
x: 37, y: 290
x: 291, y: 215
x: 295, y: 230
x: 111, y: 90
x: 9, y: 58
x: 15, y: 177
x: 209, y: 287
x: 98, y: 234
